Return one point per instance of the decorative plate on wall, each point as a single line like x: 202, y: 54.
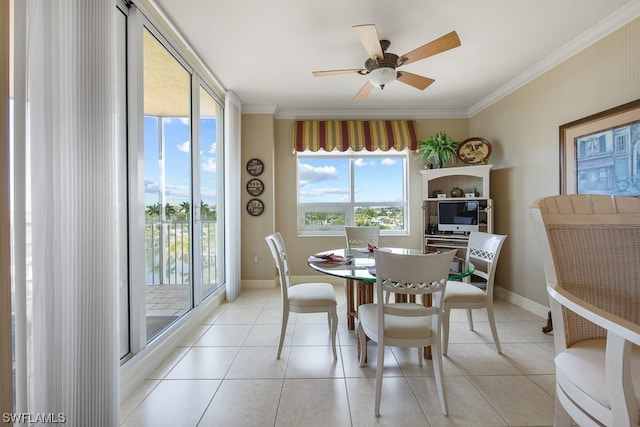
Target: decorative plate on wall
x: 255, y: 207
x: 255, y: 187
x: 255, y: 167
x: 474, y: 151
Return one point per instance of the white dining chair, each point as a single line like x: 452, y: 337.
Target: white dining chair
x: 316, y: 297
x: 406, y: 324
x: 483, y: 251
x: 355, y: 291
x: 362, y: 236
x: 590, y: 250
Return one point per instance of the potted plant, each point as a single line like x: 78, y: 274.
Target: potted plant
x: 439, y: 147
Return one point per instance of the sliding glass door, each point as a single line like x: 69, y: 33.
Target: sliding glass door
x: 170, y: 150
x: 167, y: 187
x: 208, y: 217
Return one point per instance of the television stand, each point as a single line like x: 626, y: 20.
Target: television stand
x: 473, y: 178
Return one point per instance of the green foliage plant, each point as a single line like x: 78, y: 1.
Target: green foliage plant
x: 440, y: 147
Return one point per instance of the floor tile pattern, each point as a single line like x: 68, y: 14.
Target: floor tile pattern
x: 226, y: 374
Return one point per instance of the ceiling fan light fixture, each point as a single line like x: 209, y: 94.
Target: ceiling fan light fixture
x: 382, y: 76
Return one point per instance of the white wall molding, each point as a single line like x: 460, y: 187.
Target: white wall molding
x: 605, y: 27
x: 522, y: 302
x: 371, y: 114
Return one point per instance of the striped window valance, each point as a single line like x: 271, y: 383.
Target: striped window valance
x: 358, y: 135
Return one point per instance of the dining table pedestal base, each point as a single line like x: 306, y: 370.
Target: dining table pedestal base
x: 358, y: 292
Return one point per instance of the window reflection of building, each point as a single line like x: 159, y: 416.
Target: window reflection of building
x: 620, y: 143
x: 609, y: 162
x: 593, y: 147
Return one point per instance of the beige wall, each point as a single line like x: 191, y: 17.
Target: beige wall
x: 523, y: 129
x: 257, y: 142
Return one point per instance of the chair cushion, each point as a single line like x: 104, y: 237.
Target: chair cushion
x: 312, y: 295
x: 397, y: 326
x: 583, y: 364
x: 463, y: 292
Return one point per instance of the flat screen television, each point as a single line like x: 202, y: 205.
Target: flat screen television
x: 458, y: 216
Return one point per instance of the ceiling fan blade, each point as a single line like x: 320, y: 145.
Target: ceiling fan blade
x: 336, y: 72
x: 368, y: 36
x: 364, y: 92
x: 419, y: 82
x: 442, y: 44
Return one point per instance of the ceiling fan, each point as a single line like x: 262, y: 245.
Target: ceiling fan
x: 381, y: 65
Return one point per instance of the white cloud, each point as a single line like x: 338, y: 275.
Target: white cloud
x: 185, y: 147
x: 361, y: 162
x: 319, y: 193
x: 151, y: 187
x: 170, y: 191
x: 388, y: 161
x: 209, y: 165
x: 184, y: 120
x: 213, y: 148
x: 310, y: 174
x: 209, y: 195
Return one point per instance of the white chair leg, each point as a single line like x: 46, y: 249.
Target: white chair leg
x: 470, y: 319
x: 362, y: 343
x: 283, y: 330
x: 379, y: 369
x: 420, y: 352
x: 333, y: 324
x: 445, y: 331
x: 494, y: 331
x: 436, y: 357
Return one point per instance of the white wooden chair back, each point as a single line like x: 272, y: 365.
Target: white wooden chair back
x: 360, y: 237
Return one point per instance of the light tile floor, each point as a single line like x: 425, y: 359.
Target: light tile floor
x: 226, y: 374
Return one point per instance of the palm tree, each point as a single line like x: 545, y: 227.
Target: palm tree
x: 153, y: 211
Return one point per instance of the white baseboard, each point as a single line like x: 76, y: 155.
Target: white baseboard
x: 520, y: 301
x: 136, y: 370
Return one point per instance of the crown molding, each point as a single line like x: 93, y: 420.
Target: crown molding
x: 372, y: 114
x: 260, y: 109
x: 605, y: 27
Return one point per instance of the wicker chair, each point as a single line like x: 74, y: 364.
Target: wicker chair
x: 590, y: 248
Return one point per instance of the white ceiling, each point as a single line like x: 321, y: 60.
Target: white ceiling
x: 265, y: 51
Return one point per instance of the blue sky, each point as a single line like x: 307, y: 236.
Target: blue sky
x: 177, y: 161
x: 326, y: 179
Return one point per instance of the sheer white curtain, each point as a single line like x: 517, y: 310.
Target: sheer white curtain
x: 233, y: 190
x: 70, y: 172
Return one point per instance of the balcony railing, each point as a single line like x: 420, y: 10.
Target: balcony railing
x: 168, y: 252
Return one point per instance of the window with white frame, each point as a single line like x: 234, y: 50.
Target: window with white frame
x: 352, y: 188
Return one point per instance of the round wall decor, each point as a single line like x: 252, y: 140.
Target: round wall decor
x: 255, y: 167
x: 255, y: 207
x: 255, y: 187
x: 474, y: 151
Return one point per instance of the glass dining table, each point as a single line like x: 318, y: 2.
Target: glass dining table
x: 357, y: 267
